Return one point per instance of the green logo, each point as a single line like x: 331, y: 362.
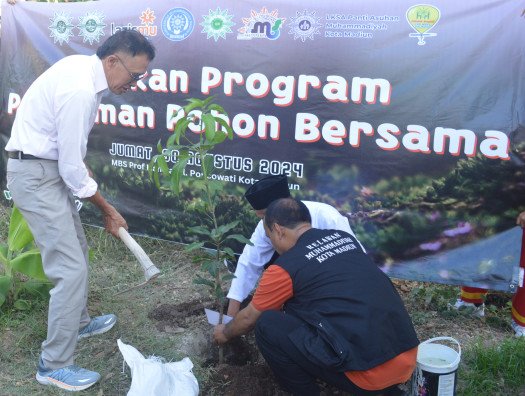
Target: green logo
x: 217, y: 24
x: 422, y: 18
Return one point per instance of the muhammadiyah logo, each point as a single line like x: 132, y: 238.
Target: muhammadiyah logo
x: 422, y: 18
x: 217, y: 23
x: 305, y: 25
x: 92, y: 26
x: 61, y: 27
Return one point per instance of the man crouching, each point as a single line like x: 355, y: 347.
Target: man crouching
x: 325, y: 310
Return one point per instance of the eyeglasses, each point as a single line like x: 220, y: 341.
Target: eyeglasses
x: 134, y: 76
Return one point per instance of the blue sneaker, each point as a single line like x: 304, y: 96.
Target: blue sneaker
x: 98, y: 325
x: 71, y: 378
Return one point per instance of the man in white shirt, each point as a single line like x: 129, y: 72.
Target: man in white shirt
x: 255, y: 258
x: 46, y: 169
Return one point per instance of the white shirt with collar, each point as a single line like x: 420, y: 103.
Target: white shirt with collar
x: 56, y: 115
x: 253, y: 258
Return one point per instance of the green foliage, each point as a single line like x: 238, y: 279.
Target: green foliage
x: 208, y: 117
x: 494, y: 370
x: 390, y: 234
x: 432, y: 296
x: 21, y: 271
x: 394, y: 217
x: 481, y: 182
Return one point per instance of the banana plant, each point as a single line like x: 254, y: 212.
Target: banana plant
x: 20, y: 264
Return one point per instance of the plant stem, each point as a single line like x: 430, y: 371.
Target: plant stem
x: 212, y: 207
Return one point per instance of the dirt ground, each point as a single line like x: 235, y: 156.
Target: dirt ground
x: 244, y: 371
x: 166, y: 318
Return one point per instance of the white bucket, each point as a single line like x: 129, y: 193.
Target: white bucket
x: 437, y: 366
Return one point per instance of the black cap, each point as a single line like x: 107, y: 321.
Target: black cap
x: 267, y: 190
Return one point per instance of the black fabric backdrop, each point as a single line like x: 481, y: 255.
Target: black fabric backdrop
x: 409, y: 118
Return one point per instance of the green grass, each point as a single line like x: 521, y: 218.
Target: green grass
x: 112, y: 269
x: 493, y: 365
x: 495, y: 369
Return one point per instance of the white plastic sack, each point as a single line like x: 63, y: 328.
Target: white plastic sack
x: 153, y: 378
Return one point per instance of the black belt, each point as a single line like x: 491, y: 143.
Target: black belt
x: 21, y: 156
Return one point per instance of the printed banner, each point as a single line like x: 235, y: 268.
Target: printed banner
x: 407, y: 117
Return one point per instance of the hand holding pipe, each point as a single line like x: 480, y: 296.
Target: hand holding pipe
x: 150, y: 271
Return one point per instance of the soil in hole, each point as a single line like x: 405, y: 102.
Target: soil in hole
x: 244, y: 370
x: 189, y: 317
x: 253, y: 380
x: 170, y: 317
x: 238, y: 352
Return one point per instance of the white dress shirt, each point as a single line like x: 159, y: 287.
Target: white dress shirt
x: 56, y: 115
x: 253, y: 258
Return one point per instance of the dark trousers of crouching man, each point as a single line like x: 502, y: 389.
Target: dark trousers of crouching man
x: 294, y: 372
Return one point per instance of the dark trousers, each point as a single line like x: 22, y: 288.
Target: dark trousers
x: 294, y: 372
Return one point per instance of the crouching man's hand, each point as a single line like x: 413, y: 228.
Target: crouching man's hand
x: 241, y: 324
x: 218, y: 335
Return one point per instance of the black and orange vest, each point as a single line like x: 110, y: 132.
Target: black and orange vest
x: 354, y: 319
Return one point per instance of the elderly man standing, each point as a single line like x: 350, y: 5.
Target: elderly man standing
x: 46, y: 169
x: 319, y: 311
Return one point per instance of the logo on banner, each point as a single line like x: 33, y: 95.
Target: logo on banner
x: 61, y: 27
x: 304, y: 26
x: 261, y: 25
x: 422, y: 18
x: 216, y: 24
x: 146, y: 26
x: 92, y: 26
x: 177, y: 24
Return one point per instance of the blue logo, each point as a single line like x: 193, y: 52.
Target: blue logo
x: 177, y: 24
x: 305, y: 25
